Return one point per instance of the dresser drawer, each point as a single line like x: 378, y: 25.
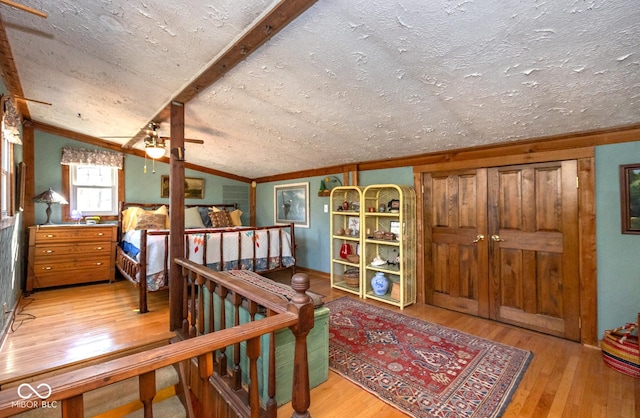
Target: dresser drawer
x: 83, y: 233
x: 48, y: 250
x: 56, y: 266
x: 79, y: 276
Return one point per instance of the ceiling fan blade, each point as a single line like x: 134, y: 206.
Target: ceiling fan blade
x: 26, y: 99
x: 193, y: 141
x: 24, y: 8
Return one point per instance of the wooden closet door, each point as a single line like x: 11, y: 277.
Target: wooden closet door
x: 533, y: 247
x: 455, y: 228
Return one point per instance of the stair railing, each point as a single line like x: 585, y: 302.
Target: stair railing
x: 65, y: 391
x: 233, y: 296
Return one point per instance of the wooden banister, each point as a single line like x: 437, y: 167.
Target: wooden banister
x: 67, y: 389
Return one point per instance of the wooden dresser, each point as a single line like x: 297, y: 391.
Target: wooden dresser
x: 70, y: 254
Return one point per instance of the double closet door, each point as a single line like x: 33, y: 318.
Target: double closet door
x: 502, y: 243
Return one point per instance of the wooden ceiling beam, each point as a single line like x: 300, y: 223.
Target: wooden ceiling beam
x: 254, y: 37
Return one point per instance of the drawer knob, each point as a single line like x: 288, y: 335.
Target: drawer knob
x: 98, y: 248
x: 98, y: 264
x: 49, y: 235
x: 47, y: 268
x: 100, y: 234
x: 48, y: 251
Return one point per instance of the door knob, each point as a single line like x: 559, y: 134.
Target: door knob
x: 478, y: 238
x: 496, y: 238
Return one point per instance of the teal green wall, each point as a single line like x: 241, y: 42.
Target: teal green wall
x: 313, y: 244
x: 618, y: 254
x: 11, y: 255
x: 139, y: 187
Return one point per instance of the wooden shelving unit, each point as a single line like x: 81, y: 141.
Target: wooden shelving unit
x: 389, y: 208
x: 344, y: 217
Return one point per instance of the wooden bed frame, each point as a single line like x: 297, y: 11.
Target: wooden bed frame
x: 130, y: 268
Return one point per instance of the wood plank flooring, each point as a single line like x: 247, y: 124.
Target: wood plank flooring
x: 564, y: 379
x: 69, y: 327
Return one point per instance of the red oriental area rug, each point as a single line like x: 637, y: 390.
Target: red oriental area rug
x: 423, y: 369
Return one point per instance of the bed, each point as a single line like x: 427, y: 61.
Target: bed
x: 223, y: 244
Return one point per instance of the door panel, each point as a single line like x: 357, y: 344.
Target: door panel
x: 457, y: 260
x: 533, y: 251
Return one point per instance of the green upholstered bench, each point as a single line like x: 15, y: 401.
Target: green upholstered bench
x: 317, y: 350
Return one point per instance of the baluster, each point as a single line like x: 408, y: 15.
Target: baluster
x: 73, y: 407
x: 210, y: 286
x: 272, y: 406
x: 253, y: 352
x: 198, y: 296
x: 237, y: 370
x: 147, y: 388
x: 186, y: 278
x: 193, y: 298
x: 205, y: 370
x: 222, y: 359
x: 300, y: 302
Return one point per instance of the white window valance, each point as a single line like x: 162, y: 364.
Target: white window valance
x: 10, y: 122
x: 92, y: 157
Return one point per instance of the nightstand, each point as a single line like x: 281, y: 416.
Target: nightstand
x: 70, y: 254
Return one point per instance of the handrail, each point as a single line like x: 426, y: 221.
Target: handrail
x: 68, y: 388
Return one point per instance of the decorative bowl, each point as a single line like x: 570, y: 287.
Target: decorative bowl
x: 353, y: 258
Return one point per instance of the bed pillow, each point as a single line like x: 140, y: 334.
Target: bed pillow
x: 151, y: 220
x: 220, y: 219
x: 163, y: 210
x: 204, y: 214
x: 130, y: 218
x: 235, y: 217
x: 192, y: 218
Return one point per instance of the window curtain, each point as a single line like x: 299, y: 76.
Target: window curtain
x: 10, y: 121
x: 92, y: 157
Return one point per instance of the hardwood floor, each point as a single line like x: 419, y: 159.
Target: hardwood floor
x: 74, y: 326
x: 564, y: 379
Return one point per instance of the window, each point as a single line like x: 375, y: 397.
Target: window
x: 93, y: 189
x: 5, y: 180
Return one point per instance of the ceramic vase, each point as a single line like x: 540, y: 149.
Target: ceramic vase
x: 345, y: 250
x: 379, y: 283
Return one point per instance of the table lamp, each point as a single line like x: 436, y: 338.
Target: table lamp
x: 49, y: 197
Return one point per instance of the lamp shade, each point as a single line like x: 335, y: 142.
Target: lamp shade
x: 154, y: 151
x: 49, y: 196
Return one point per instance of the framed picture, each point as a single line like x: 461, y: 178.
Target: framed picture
x: 353, y: 223
x: 394, y: 226
x: 291, y: 204
x: 630, y: 198
x: 193, y: 187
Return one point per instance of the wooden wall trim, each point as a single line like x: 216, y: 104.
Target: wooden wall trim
x: 587, y: 251
x: 88, y: 139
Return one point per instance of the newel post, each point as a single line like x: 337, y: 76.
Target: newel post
x: 301, y: 304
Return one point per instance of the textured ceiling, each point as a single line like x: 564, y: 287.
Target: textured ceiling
x: 347, y: 81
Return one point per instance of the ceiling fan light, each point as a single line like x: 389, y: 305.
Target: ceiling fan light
x: 154, y: 151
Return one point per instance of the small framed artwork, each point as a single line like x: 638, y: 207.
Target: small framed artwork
x: 193, y: 187
x: 291, y: 204
x: 630, y: 198
x: 394, y: 226
x: 353, y: 223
